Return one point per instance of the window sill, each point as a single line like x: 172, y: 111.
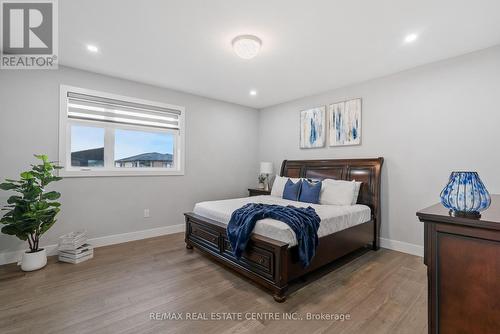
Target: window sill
x: 100, y: 173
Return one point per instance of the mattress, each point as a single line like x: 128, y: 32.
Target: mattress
x: 334, y: 218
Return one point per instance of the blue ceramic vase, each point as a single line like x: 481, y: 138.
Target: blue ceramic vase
x: 465, y: 194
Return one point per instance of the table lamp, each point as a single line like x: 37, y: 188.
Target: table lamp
x: 266, y: 168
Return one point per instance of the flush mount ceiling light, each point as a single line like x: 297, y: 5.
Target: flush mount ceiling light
x: 246, y: 46
x: 411, y: 38
x: 92, y: 48
x: 253, y: 92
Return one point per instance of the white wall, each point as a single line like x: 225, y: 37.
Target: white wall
x: 221, y: 155
x: 425, y: 122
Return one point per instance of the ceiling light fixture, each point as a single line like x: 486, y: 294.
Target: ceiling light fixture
x: 411, y: 38
x: 246, y: 46
x: 92, y: 48
x: 253, y: 92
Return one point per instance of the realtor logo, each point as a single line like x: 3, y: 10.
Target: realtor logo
x: 29, y: 34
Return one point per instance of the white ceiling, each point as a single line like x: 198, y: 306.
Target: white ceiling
x: 308, y: 46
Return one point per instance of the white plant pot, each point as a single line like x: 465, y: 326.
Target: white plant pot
x: 34, y: 261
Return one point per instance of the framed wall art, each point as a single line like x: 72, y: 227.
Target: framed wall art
x: 344, y: 122
x: 313, y: 127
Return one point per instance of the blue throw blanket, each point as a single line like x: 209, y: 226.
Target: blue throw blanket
x: 303, y: 221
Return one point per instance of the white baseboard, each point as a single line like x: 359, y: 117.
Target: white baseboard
x: 15, y: 256
x: 401, y: 246
x: 137, y: 235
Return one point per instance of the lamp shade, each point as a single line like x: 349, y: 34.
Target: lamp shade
x: 266, y: 167
x: 465, y: 193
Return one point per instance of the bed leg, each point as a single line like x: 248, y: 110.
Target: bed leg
x: 280, y: 295
x: 278, y: 298
x: 186, y: 234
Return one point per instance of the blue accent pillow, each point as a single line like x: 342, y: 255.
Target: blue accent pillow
x: 310, y: 192
x: 292, y: 190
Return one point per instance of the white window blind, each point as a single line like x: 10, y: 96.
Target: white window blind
x: 88, y: 107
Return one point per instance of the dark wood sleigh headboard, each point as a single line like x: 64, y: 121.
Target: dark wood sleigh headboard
x: 366, y: 171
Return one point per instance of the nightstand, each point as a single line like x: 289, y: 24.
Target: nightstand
x: 257, y: 192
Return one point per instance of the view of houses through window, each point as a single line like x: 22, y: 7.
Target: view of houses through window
x: 143, y: 149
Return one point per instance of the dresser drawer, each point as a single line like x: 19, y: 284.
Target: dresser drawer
x: 205, y: 235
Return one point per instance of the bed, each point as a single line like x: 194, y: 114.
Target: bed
x: 271, y: 258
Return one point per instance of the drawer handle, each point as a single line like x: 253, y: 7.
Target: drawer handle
x: 261, y: 260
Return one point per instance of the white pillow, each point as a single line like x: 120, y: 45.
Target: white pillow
x: 356, y: 192
x: 279, y: 185
x: 339, y: 192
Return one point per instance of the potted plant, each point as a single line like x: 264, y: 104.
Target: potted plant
x: 32, y: 211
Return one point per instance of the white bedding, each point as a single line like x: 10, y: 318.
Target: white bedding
x: 334, y: 218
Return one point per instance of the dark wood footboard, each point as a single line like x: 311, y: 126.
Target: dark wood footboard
x: 264, y: 261
x: 271, y: 263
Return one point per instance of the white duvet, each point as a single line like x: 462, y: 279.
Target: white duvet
x: 334, y: 218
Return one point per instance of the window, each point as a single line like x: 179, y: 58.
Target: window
x: 87, y: 146
x: 105, y: 135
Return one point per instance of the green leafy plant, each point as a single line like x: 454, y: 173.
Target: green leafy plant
x: 32, y: 211
x: 262, y: 178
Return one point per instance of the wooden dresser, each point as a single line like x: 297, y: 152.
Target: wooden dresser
x: 463, y: 270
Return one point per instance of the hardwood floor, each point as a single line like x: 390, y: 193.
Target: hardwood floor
x: 382, y: 292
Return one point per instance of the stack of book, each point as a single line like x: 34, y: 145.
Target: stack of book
x: 73, y: 248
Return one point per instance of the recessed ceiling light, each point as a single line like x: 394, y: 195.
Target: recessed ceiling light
x: 246, y: 46
x: 411, y: 38
x: 253, y: 92
x: 92, y: 48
